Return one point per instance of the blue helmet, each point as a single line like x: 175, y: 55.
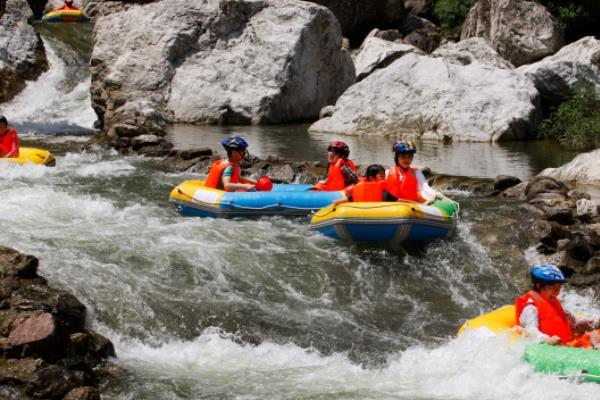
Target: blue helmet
x: 404, y: 147
x: 547, y: 273
x: 234, y: 143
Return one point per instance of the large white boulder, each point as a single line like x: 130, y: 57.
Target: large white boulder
x: 438, y: 99
x: 574, y: 65
x: 521, y: 31
x: 218, y: 62
x: 22, y: 55
x: 585, y: 168
x: 471, y: 50
x: 376, y: 53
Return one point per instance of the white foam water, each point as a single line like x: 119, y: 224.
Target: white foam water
x: 48, y: 103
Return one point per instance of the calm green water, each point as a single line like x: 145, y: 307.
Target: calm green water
x: 486, y: 160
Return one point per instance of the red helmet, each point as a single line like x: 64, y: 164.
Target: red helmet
x: 264, y: 184
x: 340, y: 148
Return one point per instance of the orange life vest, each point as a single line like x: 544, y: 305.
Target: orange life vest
x: 215, y: 174
x: 9, y: 143
x: 335, y: 178
x: 368, y: 191
x: 552, y: 317
x: 403, y: 185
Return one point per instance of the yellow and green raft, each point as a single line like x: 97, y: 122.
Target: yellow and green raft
x: 389, y: 223
x: 65, y: 16
x: 28, y: 155
x: 566, y: 362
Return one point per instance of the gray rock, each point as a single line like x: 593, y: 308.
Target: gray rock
x: 544, y: 184
x: 391, y: 35
x: 419, y: 7
x: 471, y: 50
x: 83, y: 393
x: 521, y: 31
x: 420, y: 33
x: 503, y: 182
x: 579, y: 248
x: 586, y: 208
x: 436, y: 98
x: 326, y: 111
x: 585, y: 168
x: 15, y: 264
x: 517, y: 191
x: 19, y: 371
x: 573, y: 66
x: 99, y: 8
x: 377, y: 53
x: 22, y: 56
x: 219, y: 62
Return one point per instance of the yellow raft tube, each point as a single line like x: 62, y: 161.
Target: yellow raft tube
x: 28, y: 155
x: 390, y: 223
x: 497, y: 321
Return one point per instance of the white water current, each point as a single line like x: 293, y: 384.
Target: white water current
x: 162, y: 288
x: 58, y: 101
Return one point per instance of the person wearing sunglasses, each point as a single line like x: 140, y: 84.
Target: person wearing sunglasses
x: 226, y: 174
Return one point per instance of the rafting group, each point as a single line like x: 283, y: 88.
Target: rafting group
x: 391, y: 206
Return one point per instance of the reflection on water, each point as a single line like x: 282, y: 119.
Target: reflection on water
x: 293, y: 142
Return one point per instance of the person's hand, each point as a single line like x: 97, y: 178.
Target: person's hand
x: 552, y: 340
x: 250, y: 187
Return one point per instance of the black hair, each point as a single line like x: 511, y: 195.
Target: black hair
x: 374, y: 170
x: 3, y: 119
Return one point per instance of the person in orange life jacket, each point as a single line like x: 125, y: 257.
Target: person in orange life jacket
x: 371, y: 188
x: 68, y: 5
x: 9, y: 142
x: 406, y: 183
x: 225, y: 174
x: 540, y: 312
x: 341, y: 172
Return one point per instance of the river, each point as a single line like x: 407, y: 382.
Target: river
x: 266, y: 309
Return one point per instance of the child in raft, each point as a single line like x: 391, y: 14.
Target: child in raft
x: 406, y: 183
x: 541, y: 315
x: 371, y: 188
x: 225, y: 174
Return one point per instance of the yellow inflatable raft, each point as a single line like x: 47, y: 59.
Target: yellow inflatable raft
x: 497, y: 321
x: 28, y: 155
x: 387, y: 222
x: 65, y: 16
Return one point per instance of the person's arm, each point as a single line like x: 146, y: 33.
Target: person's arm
x: 350, y: 177
x: 530, y: 322
x: 233, y: 187
x: 247, y: 180
x: 14, y: 148
x: 582, y: 324
x: 426, y: 192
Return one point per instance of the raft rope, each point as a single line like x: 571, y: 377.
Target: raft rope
x: 231, y: 203
x: 389, y: 204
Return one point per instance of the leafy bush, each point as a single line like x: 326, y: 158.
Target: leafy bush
x: 576, y: 122
x: 578, y: 18
x: 452, y: 13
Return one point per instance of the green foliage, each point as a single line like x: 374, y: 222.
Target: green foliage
x: 452, y: 13
x: 578, y: 18
x: 576, y: 122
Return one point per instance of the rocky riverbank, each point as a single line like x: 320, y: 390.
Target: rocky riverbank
x: 47, y: 353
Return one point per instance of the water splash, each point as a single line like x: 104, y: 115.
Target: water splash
x: 59, y: 100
